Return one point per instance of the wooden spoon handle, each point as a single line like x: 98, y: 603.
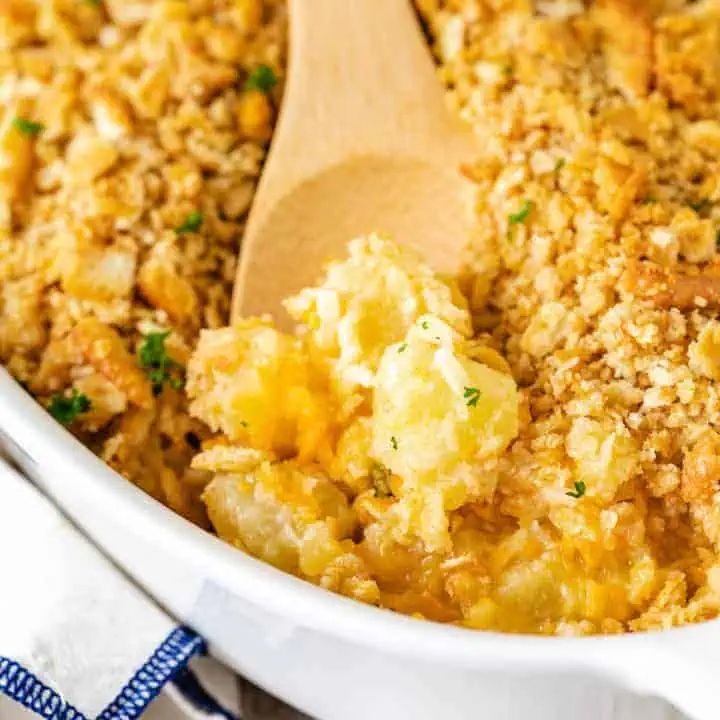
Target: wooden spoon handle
x: 361, y: 80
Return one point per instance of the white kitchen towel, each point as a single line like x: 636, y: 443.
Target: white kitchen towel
x: 77, y: 638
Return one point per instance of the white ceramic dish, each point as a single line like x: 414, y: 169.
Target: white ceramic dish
x: 340, y: 660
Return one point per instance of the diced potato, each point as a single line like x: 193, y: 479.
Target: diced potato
x: 106, y: 400
x: 151, y: 91
x: 271, y: 511
x: 370, y: 301
x: 605, y: 455
x: 258, y: 386
x: 697, y: 236
x: 223, y: 43
x: 16, y: 158
x: 104, y: 349
x: 22, y: 322
x: 17, y: 23
x: 111, y: 114
x: 164, y: 287
x: 435, y: 411
x: 255, y: 115
x: 352, y: 463
x: 88, y: 157
x: 704, y: 353
x: 701, y: 470
x: 100, y: 273
x: 247, y: 15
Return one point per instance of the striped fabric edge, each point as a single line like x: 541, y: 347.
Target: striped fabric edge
x: 161, y: 667
x: 23, y: 686
x: 191, y: 690
x: 26, y: 688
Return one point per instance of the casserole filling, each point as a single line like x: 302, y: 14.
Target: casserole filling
x: 531, y: 448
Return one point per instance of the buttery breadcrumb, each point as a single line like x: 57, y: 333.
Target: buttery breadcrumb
x: 127, y: 167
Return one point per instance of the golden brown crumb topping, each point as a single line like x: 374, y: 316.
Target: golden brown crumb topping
x: 130, y: 144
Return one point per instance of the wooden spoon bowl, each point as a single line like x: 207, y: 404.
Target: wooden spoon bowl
x: 364, y: 143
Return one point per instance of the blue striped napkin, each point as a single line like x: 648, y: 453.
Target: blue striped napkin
x: 78, y: 639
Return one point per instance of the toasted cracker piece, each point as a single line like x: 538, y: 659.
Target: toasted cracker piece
x: 105, y: 351
x: 668, y: 289
x: 627, y: 31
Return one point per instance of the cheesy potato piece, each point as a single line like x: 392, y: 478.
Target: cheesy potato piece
x: 370, y: 301
x: 349, y: 445
x: 437, y: 414
x: 257, y: 385
x: 269, y: 509
x: 293, y: 518
x: 604, y: 454
x: 436, y: 411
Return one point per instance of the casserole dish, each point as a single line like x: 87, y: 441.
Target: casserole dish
x: 337, y: 659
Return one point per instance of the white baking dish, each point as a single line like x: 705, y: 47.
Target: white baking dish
x: 338, y: 659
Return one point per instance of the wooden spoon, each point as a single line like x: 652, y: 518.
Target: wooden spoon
x: 364, y: 143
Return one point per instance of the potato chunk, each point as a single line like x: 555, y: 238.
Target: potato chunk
x: 605, y: 455
x: 257, y: 385
x: 272, y: 510
x: 370, y: 301
x: 436, y: 411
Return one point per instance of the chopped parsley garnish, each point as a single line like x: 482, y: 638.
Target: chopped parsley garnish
x: 579, y: 490
x: 700, y: 205
x: 394, y: 442
x: 471, y: 395
x: 380, y: 477
x: 66, y: 408
x: 649, y: 200
x: 94, y: 3
x: 402, y: 348
x: 717, y: 239
x: 192, y: 223
x: 244, y: 423
x: 158, y: 365
x: 560, y: 164
x: 522, y: 214
x: 424, y: 325
x: 262, y: 78
x: 507, y: 69
x: 28, y: 127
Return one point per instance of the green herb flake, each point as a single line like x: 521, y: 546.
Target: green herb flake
x: 402, y: 348
x: 579, y: 490
x: 394, y: 442
x: 380, y: 477
x: 649, y: 200
x: 522, y: 214
x: 94, y: 3
x: 560, y: 164
x: 717, y: 239
x: 192, y: 223
x: 507, y: 69
x: 66, y: 408
x: 28, y: 127
x: 700, y: 205
x: 424, y: 325
x: 471, y: 395
x: 161, y: 369
x: 262, y: 78
x: 244, y: 423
